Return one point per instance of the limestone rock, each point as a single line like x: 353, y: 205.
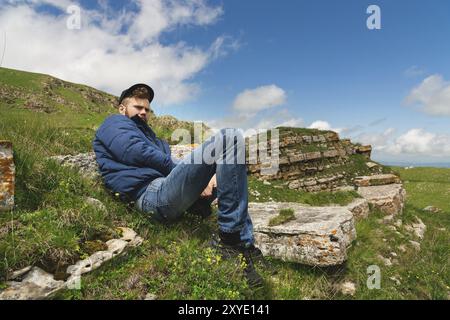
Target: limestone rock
x: 84, y: 163
x: 371, y: 165
x: 19, y: 273
x: 150, y: 296
x: 365, y: 150
x: 386, y: 261
x: 96, y: 203
x: 388, y: 219
x: 116, y: 246
x: 395, y: 280
x: 345, y: 188
x: 318, y: 235
x: 359, y: 208
x: 347, y: 288
x: 418, y: 228
x: 432, y: 209
x: 393, y: 254
x: 376, y: 180
x: 130, y: 236
x: 37, y: 284
x: 415, y: 245
x: 7, y: 176
x: 89, y: 264
x: 388, y: 198
x: 298, y: 164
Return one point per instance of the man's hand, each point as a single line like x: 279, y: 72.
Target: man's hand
x: 208, y: 190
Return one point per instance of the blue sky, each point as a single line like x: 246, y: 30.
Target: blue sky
x: 324, y: 66
x: 322, y: 54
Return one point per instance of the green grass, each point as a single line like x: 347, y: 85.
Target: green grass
x: 21, y: 79
x: 284, y: 216
x: 303, y: 131
x: 306, y: 148
x: 278, y: 192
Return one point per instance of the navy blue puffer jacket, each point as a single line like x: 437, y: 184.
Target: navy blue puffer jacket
x: 130, y: 156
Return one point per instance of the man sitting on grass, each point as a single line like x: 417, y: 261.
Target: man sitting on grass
x: 138, y: 166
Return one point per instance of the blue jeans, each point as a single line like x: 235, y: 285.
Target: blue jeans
x: 167, y: 198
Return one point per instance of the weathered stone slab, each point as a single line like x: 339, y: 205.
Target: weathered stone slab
x: 115, y: 247
x: 85, y: 163
x: 7, y: 176
x: 313, y: 155
x: 418, y: 228
x: 364, y: 150
x: 372, y: 165
x: 359, y: 208
x: 376, y: 180
x: 330, y: 153
x: 389, y: 198
x: 318, y: 236
x: 37, y: 284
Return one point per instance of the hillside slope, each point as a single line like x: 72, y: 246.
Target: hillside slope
x: 83, y: 106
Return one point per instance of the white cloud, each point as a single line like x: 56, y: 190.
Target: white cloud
x: 157, y: 16
x: 294, y: 122
x: 263, y: 120
x: 432, y: 96
x: 378, y: 141
x: 279, y: 119
x: 253, y: 100
x: 253, y: 109
x: 416, y: 143
x: 113, y: 49
x: 324, y: 125
x: 421, y: 142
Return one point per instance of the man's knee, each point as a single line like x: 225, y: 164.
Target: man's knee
x: 233, y: 139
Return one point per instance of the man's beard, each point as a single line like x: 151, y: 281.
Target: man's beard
x: 137, y: 115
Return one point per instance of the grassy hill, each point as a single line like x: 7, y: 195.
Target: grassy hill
x: 53, y: 226
x: 74, y: 108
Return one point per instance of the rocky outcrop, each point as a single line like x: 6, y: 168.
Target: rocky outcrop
x: 7, y: 176
x: 84, y: 163
x: 359, y: 208
x: 376, y: 180
x: 417, y: 228
x: 346, y: 288
x: 36, y: 284
x: 318, y: 236
x: 389, y: 198
x: 33, y: 283
x: 311, y: 160
x: 432, y: 209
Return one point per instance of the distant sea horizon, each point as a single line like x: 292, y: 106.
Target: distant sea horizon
x: 416, y: 164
